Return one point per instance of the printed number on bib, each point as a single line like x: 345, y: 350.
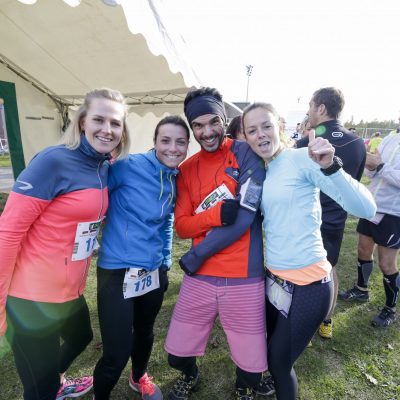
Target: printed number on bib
x: 139, y: 281
x: 279, y: 294
x: 85, y: 239
x: 220, y: 193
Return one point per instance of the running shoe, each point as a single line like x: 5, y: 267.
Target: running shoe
x: 75, y: 387
x: 147, y: 389
x: 385, y: 318
x: 183, y: 387
x: 244, y: 394
x: 326, y: 329
x: 354, y: 294
x: 266, y: 386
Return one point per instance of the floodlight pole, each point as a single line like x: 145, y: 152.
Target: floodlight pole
x: 249, y: 69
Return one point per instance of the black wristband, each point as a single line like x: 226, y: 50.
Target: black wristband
x: 336, y: 165
x: 379, y: 167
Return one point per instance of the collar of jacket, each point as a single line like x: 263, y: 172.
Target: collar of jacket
x: 90, y: 152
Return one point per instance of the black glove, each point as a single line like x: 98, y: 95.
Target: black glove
x: 185, y: 268
x: 229, y: 210
x: 164, y: 271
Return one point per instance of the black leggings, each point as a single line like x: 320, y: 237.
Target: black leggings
x: 126, y: 327
x: 34, y: 332
x: 288, y: 337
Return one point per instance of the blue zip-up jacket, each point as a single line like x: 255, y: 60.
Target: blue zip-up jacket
x: 138, y: 231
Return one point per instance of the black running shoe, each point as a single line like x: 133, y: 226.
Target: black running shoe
x: 266, y: 386
x: 354, y: 294
x: 385, y: 318
x: 183, y: 387
x: 244, y: 394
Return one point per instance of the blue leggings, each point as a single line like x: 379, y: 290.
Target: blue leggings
x: 288, y: 337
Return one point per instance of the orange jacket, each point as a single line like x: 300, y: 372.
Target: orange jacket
x: 233, y: 251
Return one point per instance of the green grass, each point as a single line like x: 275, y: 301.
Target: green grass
x: 337, y: 369
x: 5, y: 161
x: 3, y: 199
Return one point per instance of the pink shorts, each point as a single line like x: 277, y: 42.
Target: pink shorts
x: 241, y: 309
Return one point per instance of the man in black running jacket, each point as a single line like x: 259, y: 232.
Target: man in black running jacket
x: 324, y: 110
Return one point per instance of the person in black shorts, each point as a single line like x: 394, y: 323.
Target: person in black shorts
x: 383, y: 168
x: 325, y: 107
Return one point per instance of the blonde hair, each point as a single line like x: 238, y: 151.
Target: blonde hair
x: 285, y: 141
x: 72, y: 136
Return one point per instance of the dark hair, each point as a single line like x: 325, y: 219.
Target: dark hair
x: 234, y: 127
x: 193, y: 93
x: 332, y: 98
x: 174, y: 120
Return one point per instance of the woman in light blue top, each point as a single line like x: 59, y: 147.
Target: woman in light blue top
x: 298, y: 282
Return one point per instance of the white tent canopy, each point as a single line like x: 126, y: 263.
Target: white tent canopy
x: 55, y: 53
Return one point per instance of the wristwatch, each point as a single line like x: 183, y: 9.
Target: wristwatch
x: 379, y: 167
x: 336, y: 165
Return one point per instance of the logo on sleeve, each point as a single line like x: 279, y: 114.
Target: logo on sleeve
x: 25, y: 185
x: 337, y: 134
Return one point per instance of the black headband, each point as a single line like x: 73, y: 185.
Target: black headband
x: 202, y: 105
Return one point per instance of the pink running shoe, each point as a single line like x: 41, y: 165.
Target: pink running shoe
x: 75, y: 387
x: 147, y: 389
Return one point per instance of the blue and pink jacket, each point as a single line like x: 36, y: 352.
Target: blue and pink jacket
x: 58, y: 189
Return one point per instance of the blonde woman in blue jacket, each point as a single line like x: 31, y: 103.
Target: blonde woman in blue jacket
x: 135, y: 256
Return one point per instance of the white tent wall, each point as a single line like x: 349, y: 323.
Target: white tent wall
x: 67, y: 51
x: 142, y: 130
x: 39, y: 132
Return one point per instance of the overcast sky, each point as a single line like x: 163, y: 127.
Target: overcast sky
x: 296, y: 47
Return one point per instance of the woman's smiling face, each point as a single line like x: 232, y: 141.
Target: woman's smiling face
x: 103, y: 124
x: 171, y: 144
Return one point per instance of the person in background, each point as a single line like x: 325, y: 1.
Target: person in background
x: 305, y: 128
x: 48, y: 231
x: 234, y: 129
x: 383, y: 168
x: 296, y: 135
x: 374, y: 142
x: 135, y: 257
x: 325, y: 108
x: 298, y: 282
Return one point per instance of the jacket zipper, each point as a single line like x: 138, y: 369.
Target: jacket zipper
x: 98, y: 217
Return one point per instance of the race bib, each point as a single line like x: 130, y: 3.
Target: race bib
x: 139, y: 281
x: 279, y: 294
x: 85, y: 239
x: 220, y: 193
